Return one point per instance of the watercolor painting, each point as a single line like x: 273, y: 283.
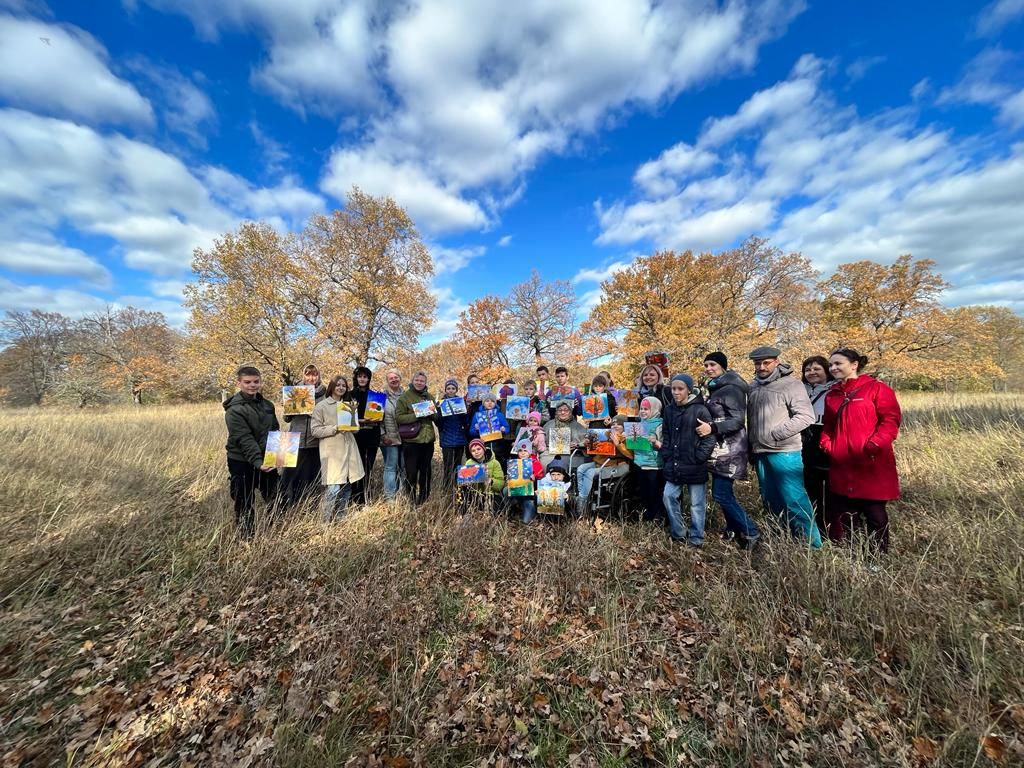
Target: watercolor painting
x: 627, y: 402
x: 282, y: 449
x: 471, y: 474
x: 517, y: 408
x: 551, y: 496
x: 298, y: 400
x: 374, y: 406
x: 348, y: 417
x: 519, y: 469
x: 475, y: 392
x: 599, y: 442
x: 452, y: 406
x: 507, y: 390
x: 595, y: 407
x: 637, y: 437
x: 560, y: 440
x: 424, y: 409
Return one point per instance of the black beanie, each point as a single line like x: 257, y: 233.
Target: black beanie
x: 718, y: 357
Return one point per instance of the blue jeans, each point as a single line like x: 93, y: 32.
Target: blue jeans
x: 736, y: 518
x: 781, y: 479
x: 336, y: 499
x: 392, y: 469
x: 698, y: 511
x: 529, y: 507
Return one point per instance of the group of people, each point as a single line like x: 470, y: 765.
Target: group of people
x: 821, y: 445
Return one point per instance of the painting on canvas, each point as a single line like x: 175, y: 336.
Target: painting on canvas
x: 282, y: 449
x: 424, y: 409
x: 595, y: 407
x: 560, y: 441
x: 348, y: 417
x: 517, y: 408
x: 299, y: 400
x: 637, y: 438
x: 374, y: 406
x: 471, y: 474
x: 475, y: 392
x: 599, y: 442
x: 452, y: 406
x: 627, y: 402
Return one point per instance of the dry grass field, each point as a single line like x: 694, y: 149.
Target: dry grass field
x: 135, y: 629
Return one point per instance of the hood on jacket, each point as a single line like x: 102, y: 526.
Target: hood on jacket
x: 655, y: 405
x: 656, y: 369
x: 729, y: 377
x: 238, y: 399
x: 695, y: 398
x: 783, y: 369
x: 364, y: 370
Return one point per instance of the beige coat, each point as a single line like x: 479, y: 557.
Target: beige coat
x: 339, y: 454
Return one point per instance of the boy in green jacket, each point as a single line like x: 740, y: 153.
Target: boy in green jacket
x: 250, y: 418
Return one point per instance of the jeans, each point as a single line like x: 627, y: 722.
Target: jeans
x: 781, y: 479
x: 246, y: 479
x: 393, y: 468
x: 336, y: 500
x: 587, y: 473
x: 698, y: 511
x: 367, y: 440
x: 736, y: 518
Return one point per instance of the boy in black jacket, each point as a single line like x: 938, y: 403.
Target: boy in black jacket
x: 250, y: 418
x: 685, y: 456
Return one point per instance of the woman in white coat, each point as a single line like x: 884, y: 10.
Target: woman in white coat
x: 340, y: 465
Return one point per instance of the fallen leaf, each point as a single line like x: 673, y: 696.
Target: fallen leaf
x: 994, y: 748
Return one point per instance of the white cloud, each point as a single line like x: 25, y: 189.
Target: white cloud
x: 449, y: 306
x: 657, y: 176
x: 465, y: 99
x: 997, y: 15
x: 858, y: 68
x: 184, y: 107
x: 599, y: 275
x: 989, y: 79
x: 15, y: 297
x: 61, y: 70
x: 816, y: 177
x: 448, y: 260
x: 505, y: 241
x: 53, y: 259
x: 275, y: 155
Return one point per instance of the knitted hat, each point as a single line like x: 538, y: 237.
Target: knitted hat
x: 717, y: 357
x: 764, y: 353
x: 686, y: 378
x: 523, y: 445
x: 476, y: 441
x: 489, y: 395
x: 534, y: 415
x: 653, y: 403
x: 557, y: 465
x: 452, y: 383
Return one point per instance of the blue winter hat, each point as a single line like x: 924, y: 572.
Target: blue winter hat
x: 453, y: 383
x: 686, y: 378
x: 557, y: 465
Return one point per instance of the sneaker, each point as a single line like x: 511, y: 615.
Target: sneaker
x: 727, y: 535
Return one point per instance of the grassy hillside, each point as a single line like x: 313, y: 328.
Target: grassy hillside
x: 136, y: 630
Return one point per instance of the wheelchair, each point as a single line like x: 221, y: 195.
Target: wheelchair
x: 609, y: 496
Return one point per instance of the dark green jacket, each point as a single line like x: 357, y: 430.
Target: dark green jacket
x: 404, y: 415
x: 249, y: 420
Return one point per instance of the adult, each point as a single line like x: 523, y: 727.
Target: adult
x: 817, y: 380
x: 340, y: 464
x: 417, y: 439
x: 300, y: 480
x: 727, y: 403
x: 577, y: 434
x: 390, y: 439
x: 778, y: 409
x: 862, y: 420
x: 685, y: 456
x: 368, y: 436
x: 651, y: 383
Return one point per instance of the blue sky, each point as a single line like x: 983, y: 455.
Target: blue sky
x: 566, y: 136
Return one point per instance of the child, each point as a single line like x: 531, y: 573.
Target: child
x: 250, y: 418
x: 685, y: 456
x: 536, y: 433
x: 529, y: 389
x: 489, y: 495
x: 558, y: 471
x: 340, y: 464
x: 490, y: 419
x: 368, y: 436
x: 565, y: 388
x: 649, y: 478
x: 608, y: 467
x: 598, y: 386
x: 543, y: 383
x: 453, y: 437
x: 300, y: 480
x: 528, y: 504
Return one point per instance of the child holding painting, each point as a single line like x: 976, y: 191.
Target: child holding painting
x: 452, y: 429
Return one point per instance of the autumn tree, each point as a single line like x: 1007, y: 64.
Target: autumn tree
x: 243, y: 308
x: 364, y: 282
x: 483, y: 330
x: 690, y: 304
x: 133, y: 347
x: 541, y: 317
x: 36, y: 350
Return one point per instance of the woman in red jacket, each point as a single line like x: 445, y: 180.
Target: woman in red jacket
x: 862, y: 419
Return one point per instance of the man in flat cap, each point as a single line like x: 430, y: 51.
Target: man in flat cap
x: 778, y: 410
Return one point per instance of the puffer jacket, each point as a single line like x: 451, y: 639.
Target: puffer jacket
x: 405, y: 415
x: 778, y: 410
x: 452, y: 429
x: 683, y: 452
x: 862, y: 421
x: 301, y: 422
x: 249, y: 421
x: 495, y: 474
x: 727, y: 403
